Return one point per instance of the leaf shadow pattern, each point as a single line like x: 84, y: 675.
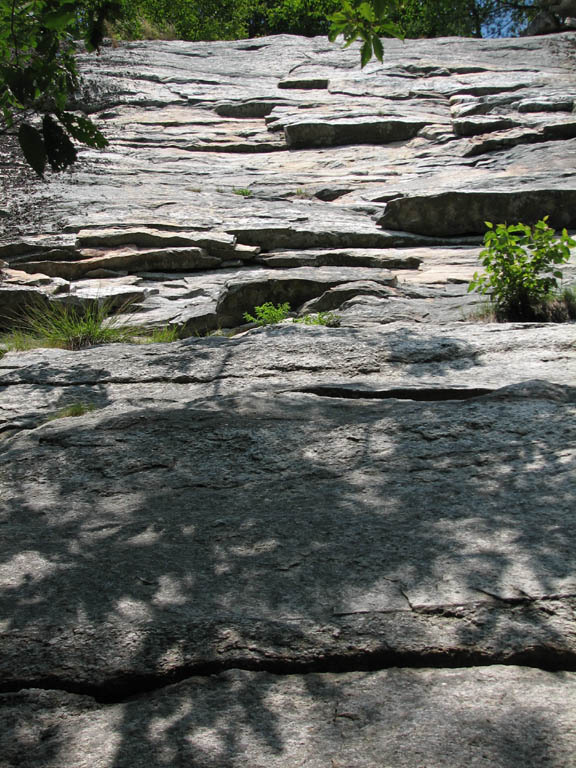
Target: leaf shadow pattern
x: 278, y: 534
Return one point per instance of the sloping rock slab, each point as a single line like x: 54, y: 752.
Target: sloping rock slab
x: 450, y: 718
x: 295, y: 357
x: 303, y: 529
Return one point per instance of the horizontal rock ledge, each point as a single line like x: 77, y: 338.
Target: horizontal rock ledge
x: 465, y: 212
x: 324, y: 133
x: 164, y: 259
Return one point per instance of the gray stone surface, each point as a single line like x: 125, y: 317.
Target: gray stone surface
x: 464, y: 213
x: 490, y: 136
x: 341, y: 547
x: 253, y: 513
x: 447, y: 718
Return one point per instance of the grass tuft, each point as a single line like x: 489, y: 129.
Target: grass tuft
x: 553, y: 308
x: 67, y: 327
x: 164, y: 335
x: 63, y: 326
x: 72, y: 410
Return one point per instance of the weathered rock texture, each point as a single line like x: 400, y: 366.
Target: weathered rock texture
x: 350, y: 547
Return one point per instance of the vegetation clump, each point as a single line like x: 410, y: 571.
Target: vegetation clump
x: 268, y: 314
x: 38, y: 74
x: 522, y: 275
x: 164, y: 335
x: 327, y: 319
x: 64, y: 326
x: 72, y: 410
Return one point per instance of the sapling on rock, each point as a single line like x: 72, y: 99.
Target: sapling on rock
x: 522, y: 275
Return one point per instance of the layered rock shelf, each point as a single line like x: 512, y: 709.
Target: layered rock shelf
x: 343, y: 547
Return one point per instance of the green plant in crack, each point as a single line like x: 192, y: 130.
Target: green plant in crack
x: 268, y: 314
x: 243, y: 192
x: 522, y: 272
x: 67, y: 326
x: 164, y: 335
x: 72, y: 410
x: 327, y: 319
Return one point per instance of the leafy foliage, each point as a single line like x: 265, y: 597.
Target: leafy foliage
x: 521, y: 264
x: 38, y: 73
x: 224, y: 19
x: 295, y: 17
x: 467, y: 18
x: 268, y: 314
x: 368, y: 21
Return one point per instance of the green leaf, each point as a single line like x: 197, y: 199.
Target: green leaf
x: 7, y: 116
x: 391, y: 29
x: 22, y: 82
x: 83, y: 130
x: 378, y: 49
x: 58, y: 20
x: 366, y: 53
x: 365, y: 12
x: 33, y: 149
x: 380, y: 7
x: 59, y: 149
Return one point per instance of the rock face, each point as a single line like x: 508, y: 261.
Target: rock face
x: 348, y: 547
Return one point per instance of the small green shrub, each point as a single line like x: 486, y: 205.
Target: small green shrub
x: 268, y: 314
x: 243, y: 192
x: 74, y: 409
x: 328, y: 319
x: 521, y: 274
